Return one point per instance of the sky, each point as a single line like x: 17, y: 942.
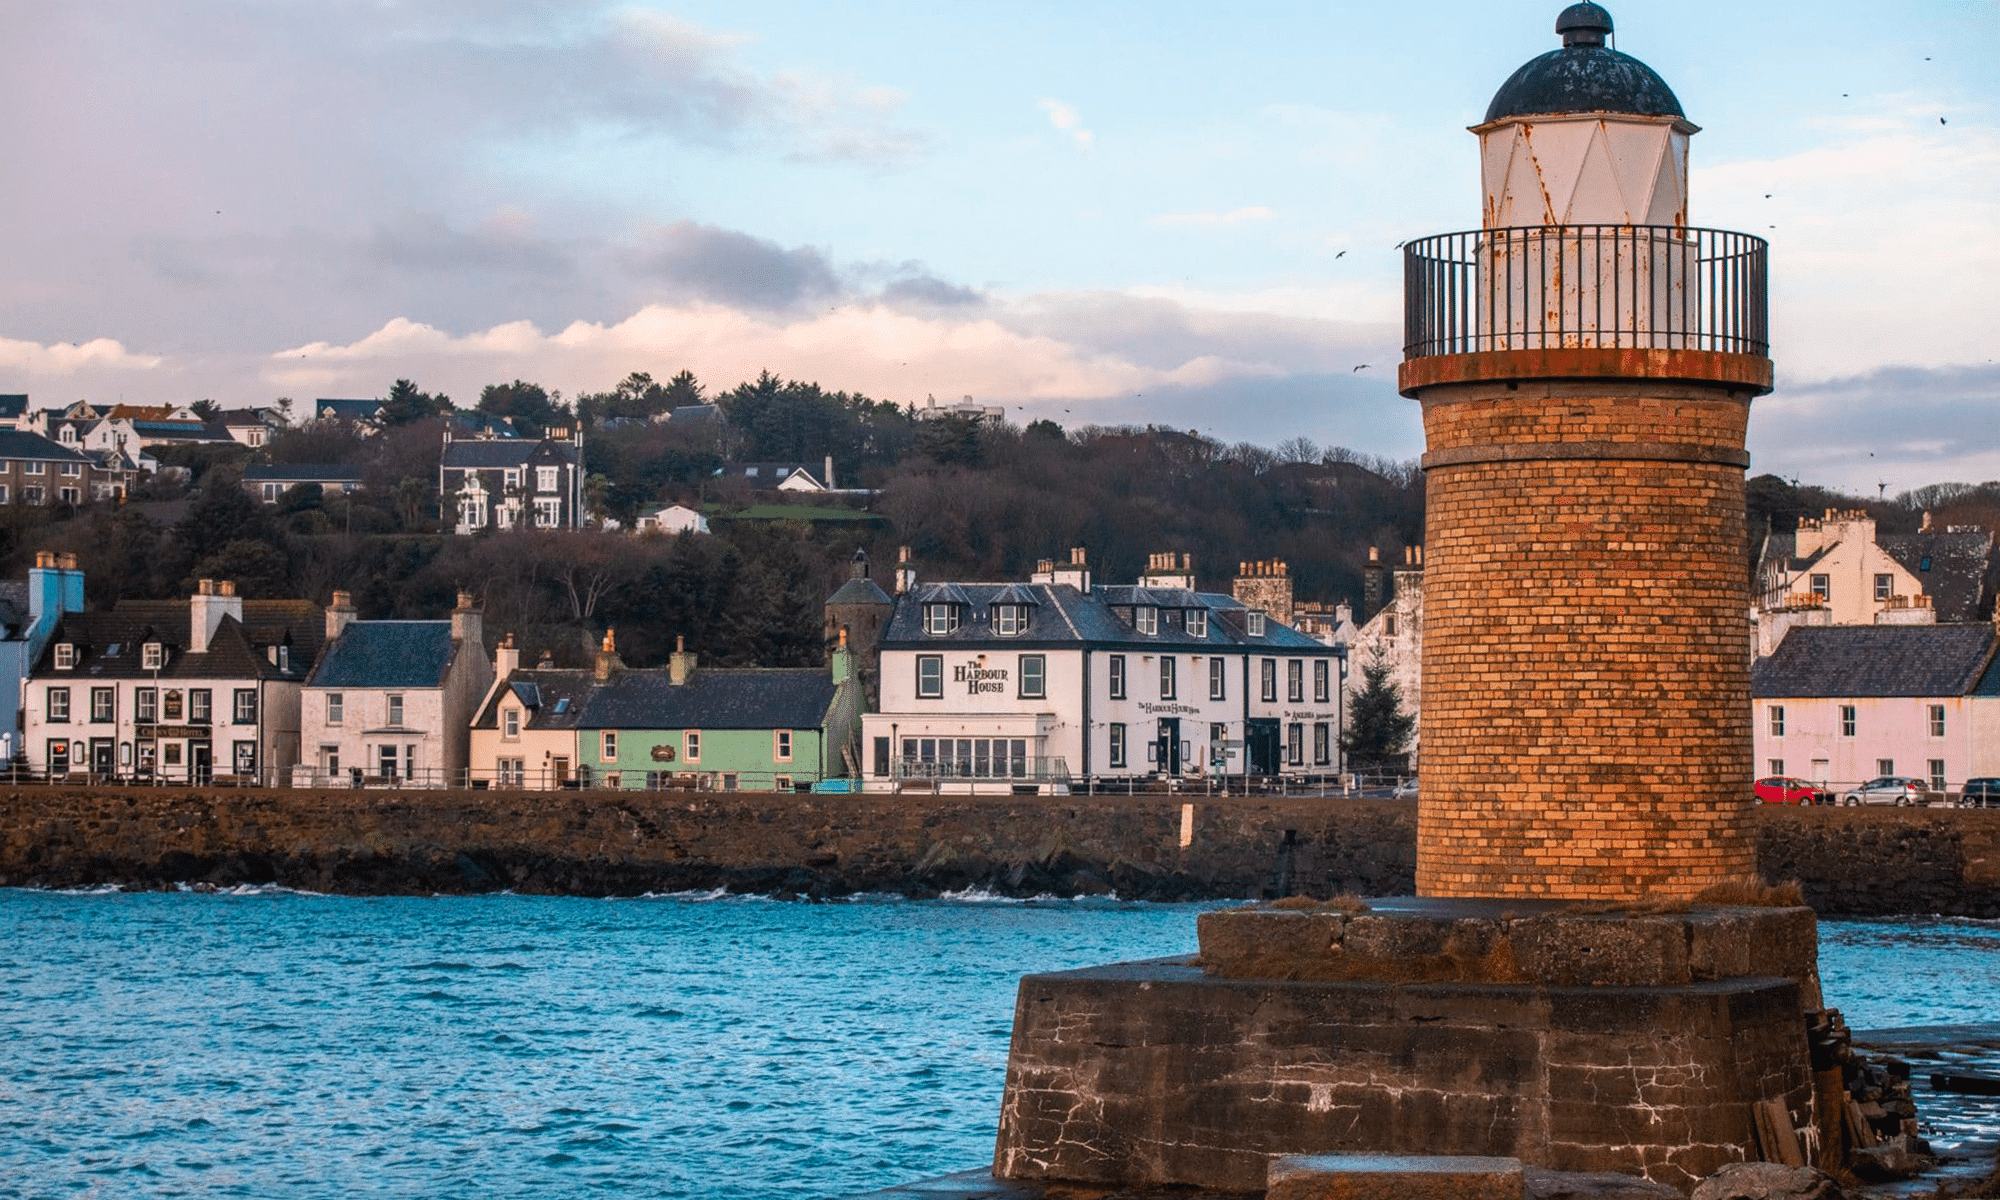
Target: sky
x: 1170, y: 212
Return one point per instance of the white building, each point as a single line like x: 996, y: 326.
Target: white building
x: 1394, y: 636
x: 392, y: 700
x: 1056, y: 681
x: 1838, y: 705
x: 1838, y: 570
x: 173, y: 690
x: 673, y: 518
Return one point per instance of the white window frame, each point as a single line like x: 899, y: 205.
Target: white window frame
x: 1850, y: 722
x: 548, y: 512
x: 1936, y: 715
x: 691, y: 745
x: 548, y: 479
x: 781, y: 745
x: 1115, y: 677
x: 146, y: 705
x: 607, y: 745
x: 1146, y: 619
x: 55, y: 702
x: 393, y: 710
x: 1033, y: 673
x: 1170, y: 683
x: 1295, y: 680
x: 1885, y: 585
x: 65, y: 656
x: 244, y: 710
x: 1218, y: 677
x: 930, y: 676
x: 510, y: 724
x: 1010, y: 620
x: 1777, y: 721
x: 1322, y: 681
x: 1268, y: 677
x: 1253, y: 623
x: 1197, y: 622
x: 1119, y: 744
x: 940, y: 618
x: 336, y: 708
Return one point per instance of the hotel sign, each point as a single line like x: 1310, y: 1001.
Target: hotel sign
x: 148, y: 733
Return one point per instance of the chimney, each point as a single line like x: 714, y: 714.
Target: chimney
x: 339, y: 614
x: 211, y: 602
x: 829, y: 472
x: 1076, y: 572
x: 906, y: 571
x: 55, y: 587
x: 1372, y: 598
x: 608, y: 663
x: 1926, y: 526
x: 680, y: 664
x: 842, y: 660
x: 506, y: 658
x: 465, y: 621
x: 1045, y: 571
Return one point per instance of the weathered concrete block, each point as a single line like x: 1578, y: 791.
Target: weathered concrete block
x: 1394, y: 1177
x: 1148, y: 1074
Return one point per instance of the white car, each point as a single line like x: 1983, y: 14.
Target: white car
x: 1406, y: 790
x: 1887, y: 789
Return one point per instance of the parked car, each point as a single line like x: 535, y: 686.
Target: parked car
x: 1787, y: 789
x: 1983, y: 792
x: 1887, y: 789
x: 1406, y: 790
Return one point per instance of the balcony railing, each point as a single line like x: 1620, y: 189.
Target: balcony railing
x: 1558, y: 287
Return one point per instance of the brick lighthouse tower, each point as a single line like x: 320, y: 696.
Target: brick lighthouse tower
x: 1585, y: 361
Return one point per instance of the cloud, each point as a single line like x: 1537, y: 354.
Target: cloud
x: 1235, y: 216
x: 729, y: 267
x: 1066, y: 118
x: 1904, y: 426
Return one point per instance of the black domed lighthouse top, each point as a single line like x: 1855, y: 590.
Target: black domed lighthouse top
x: 1584, y: 76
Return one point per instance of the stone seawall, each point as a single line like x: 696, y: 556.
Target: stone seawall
x: 1852, y: 861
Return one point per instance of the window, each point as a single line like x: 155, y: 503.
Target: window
x: 513, y: 771
x: 1117, y: 677
x: 1010, y: 620
x: 1822, y: 586
x: 781, y: 783
x: 30, y: 494
x: 607, y: 748
x: 72, y: 470
x: 3, y: 493
x: 545, y: 479
x: 729, y: 781
x: 58, y: 705
x: 1885, y: 766
x: 1295, y: 744
x: 1034, y: 676
x: 329, y: 759
x: 1146, y: 619
x: 152, y: 656
x: 930, y: 676
x: 386, y: 758
x: 246, y: 706
x: 1322, y: 743
x: 243, y: 757
x: 1778, y: 722
x: 940, y: 618
x: 691, y: 746
x: 1197, y: 622
x: 65, y: 656
x: 146, y: 705
x: 395, y: 710
x: 101, y: 701
x: 1218, y: 677
x: 1937, y: 774
x: 1777, y: 766
x: 1847, y: 722
x: 336, y: 708
x: 1268, y: 671
x: 510, y: 723
x: 33, y: 468
x: 69, y: 495
x: 199, y: 703
x: 1295, y: 680
x: 1253, y: 624
x: 1321, y: 688
x: 781, y: 745
x: 472, y: 512
x: 1937, y: 720
x: 548, y: 513
x: 1118, y: 743
x: 511, y: 478
x: 1882, y: 585
x: 1168, y: 683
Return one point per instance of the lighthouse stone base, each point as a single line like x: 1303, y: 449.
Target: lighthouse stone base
x: 1572, y: 1041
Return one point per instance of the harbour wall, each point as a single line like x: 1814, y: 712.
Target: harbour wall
x: 1870, y: 861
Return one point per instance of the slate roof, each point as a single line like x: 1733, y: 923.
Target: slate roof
x: 1066, y: 618
x: 13, y: 405
x: 1860, y: 661
x: 1952, y: 567
x: 180, y: 431
x: 387, y: 654
x: 347, y: 410
x: 16, y: 444
x: 302, y: 473
x: 753, y: 698
x: 109, y: 643
x: 478, y: 453
x: 859, y: 591
x: 553, y: 696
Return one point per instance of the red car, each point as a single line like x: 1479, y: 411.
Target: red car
x: 1783, y: 789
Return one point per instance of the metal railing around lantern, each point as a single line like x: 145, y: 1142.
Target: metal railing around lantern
x: 1554, y: 287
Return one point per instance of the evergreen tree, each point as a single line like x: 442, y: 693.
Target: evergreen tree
x: 1378, y: 730
x: 407, y: 403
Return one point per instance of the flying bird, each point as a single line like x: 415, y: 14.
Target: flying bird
x: 1342, y: 254
x: 1362, y: 367
x: 1940, y: 120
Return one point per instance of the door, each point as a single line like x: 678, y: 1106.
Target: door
x: 201, y: 762
x: 1168, y: 755
x: 1262, y: 736
x: 101, y: 761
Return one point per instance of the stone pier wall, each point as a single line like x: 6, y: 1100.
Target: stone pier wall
x: 1852, y: 861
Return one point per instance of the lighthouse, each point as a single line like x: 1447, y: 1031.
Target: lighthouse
x: 1585, y: 361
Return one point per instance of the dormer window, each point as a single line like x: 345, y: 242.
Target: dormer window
x: 940, y: 618
x: 1146, y: 619
x: 1010, y: 620
x: 1197, y: 622
x: 1253, y: 623
x: 65, y: 656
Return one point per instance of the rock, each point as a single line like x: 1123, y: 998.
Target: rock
x: 1768, y: 1181
x: 1895, y: 1158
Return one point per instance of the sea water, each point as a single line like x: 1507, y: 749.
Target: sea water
x: 275, y: 1044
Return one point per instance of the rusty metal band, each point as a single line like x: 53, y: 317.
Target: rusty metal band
x: 1680, y: 452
